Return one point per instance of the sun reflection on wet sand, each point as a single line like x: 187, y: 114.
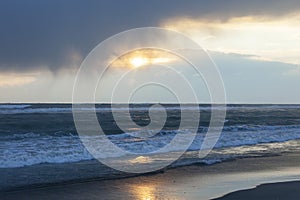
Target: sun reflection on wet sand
x: 150, y: 191
x: 145, y: 192
x: 153, y: 189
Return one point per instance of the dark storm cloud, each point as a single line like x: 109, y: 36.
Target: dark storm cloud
x: 36, y: 33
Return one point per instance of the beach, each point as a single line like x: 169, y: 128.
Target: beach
x: 188, y: 182
x: 44, y: 157
x: 283, y: 190
x: 149, y: 100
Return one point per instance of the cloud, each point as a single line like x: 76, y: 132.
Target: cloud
x: 268, y: 39
x: 293, y: 72
x: 42, y: 34
x: 13, y: 79
x: 257, y: 81
x: 246, y: 81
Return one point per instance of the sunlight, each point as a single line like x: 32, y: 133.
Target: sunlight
x: 139, y: 61
x: 266, y: 39
x: 143, y: 57
x: 15, y: 79
x: 145, y: 192
x: 140, y: 159
x: 150, y: 190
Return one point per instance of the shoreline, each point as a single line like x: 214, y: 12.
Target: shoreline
x: 189, y: 182
x: 269, y: 191
x: 51, y: 174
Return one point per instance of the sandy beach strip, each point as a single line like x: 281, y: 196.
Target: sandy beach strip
x: 271, y: 191
x: 190, y: 182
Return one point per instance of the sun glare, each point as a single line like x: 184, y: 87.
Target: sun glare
x: 144, y: 57
x: 139, y: 61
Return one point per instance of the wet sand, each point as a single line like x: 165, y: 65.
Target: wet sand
x: 190, y: 182
x: 278, y: 191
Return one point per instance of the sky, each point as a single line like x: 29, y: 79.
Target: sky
x: 255, y: 44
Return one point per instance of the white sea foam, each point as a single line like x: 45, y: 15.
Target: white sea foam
x: 32, y: 148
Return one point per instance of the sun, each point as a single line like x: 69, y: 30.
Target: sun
x: 139, y: 61
x: 143, y: 57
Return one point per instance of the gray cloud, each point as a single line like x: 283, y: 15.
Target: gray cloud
x: 246, y: 81
x: 37, y: 33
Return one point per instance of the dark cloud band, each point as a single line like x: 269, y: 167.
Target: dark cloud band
x: 37, y: 33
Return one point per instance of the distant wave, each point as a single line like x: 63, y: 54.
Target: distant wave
x: 18, y: 110
x: 12, y: 106
x: 27, y: 109
x: 35, y: 110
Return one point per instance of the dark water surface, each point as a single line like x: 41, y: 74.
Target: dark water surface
x: 45, y: 134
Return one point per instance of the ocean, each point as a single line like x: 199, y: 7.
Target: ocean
x: 33, y: 135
